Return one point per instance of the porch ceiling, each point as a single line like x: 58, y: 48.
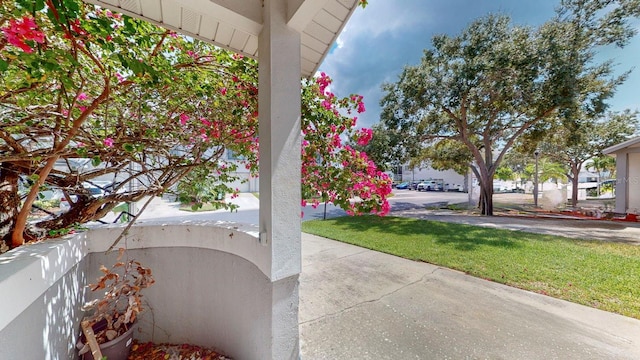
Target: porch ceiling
x: 236, y: 24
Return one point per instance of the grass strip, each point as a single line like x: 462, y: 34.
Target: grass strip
x: 597, y: 274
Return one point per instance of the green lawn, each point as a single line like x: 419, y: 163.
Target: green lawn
x: 601, y: 275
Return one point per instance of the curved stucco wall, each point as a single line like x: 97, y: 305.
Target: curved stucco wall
x: 234, y: 238
x: 201, y: 296
x: 211, y: 289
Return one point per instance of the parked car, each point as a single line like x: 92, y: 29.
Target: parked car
x: 403, y: 185
x: 453, y: 187
x: 429, y: 185
x: 93, y: 190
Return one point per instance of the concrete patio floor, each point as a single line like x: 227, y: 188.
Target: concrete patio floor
x: 361, y: 304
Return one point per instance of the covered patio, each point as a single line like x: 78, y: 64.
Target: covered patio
x: 229, y: 286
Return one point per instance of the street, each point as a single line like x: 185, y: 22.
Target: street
x: 402, y: 200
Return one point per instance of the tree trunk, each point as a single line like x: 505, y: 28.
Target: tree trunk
x: 486, y: 196
x: 18, y: 235
x: 9, y: 204
x: 574, y: 186
x: 80, y: 212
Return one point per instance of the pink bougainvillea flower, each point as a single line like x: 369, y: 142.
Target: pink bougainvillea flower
x: 183, y: 119
x: 203, y: 134
x: 205, y: 122
x: 113, y: 15
x: 21, y: 30
x: 336, y: 142
x: 82, y: 96
x: 77, y: 28
x: 323, y: 81
x: 120, y: 78
x: 108, y: 142
x: 364, y: 136
x: 223, y: 91
x: 385, y: 208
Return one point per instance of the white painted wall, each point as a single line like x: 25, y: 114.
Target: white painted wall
x: 211, y: 290
x: 448, y: 176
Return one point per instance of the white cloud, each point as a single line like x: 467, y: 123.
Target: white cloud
x: 381, y: 39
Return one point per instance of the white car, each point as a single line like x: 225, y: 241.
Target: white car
x: 428, y: 186
x: 453, y: 187
x: 93, y: 190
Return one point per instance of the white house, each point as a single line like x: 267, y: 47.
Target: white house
x: 627, y: 156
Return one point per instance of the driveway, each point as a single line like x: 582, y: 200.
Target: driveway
x: 361, y: 304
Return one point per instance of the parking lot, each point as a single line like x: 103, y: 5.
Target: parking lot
x: 405, y: 199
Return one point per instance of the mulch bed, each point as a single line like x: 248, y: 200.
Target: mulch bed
x: 151, y: 351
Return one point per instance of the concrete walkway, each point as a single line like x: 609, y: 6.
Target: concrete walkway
x: 361, y: 304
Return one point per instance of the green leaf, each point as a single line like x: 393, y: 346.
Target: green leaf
x: 3, y: 65
x: 95, y: 161
x: 128, y: 147
x: 39, y: 5
x: 81, y: 151
x: 73, y: 7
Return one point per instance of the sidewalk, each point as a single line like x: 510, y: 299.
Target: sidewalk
x: 360, y: 304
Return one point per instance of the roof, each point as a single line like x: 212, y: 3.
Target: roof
x: 611, y: 150
x: 236, y: 24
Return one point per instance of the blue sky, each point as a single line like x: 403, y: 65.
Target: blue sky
x: 380, y: 40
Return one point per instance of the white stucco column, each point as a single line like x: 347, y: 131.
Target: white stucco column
x: 279, y: 109
x: 279, y: 220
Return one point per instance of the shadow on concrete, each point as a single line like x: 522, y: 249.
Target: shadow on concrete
x: 403, y: 206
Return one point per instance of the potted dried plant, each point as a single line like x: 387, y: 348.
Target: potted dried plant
x: 108, y: 330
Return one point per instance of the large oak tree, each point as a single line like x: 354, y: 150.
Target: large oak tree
x: 486, y: 87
